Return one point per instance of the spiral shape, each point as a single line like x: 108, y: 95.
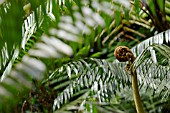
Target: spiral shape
x: 123, y: 54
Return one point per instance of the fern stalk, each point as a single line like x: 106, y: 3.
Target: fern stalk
x: 123, y: 54
x: 136, y: 95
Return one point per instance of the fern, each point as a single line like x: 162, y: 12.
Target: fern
x: 74, y: 29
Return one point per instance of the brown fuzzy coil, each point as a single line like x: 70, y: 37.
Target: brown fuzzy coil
x: 123, y: 53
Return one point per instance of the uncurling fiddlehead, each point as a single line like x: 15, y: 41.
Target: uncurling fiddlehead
x: 123, y: 54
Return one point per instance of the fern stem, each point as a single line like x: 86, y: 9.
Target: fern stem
x: 123, y: 54
x: 136, y: 95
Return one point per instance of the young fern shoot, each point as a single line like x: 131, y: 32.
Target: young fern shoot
x: 123, y: 54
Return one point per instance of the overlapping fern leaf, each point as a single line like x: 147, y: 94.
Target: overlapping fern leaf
x: 101, y: 84
x: 140, y: 24
x: 53, y: 44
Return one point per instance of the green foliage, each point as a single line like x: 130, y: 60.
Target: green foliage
x: 48, y: 50
x: 158, y: 53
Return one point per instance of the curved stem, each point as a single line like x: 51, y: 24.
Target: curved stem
x: 123, y: 53
x: 136, y: 95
